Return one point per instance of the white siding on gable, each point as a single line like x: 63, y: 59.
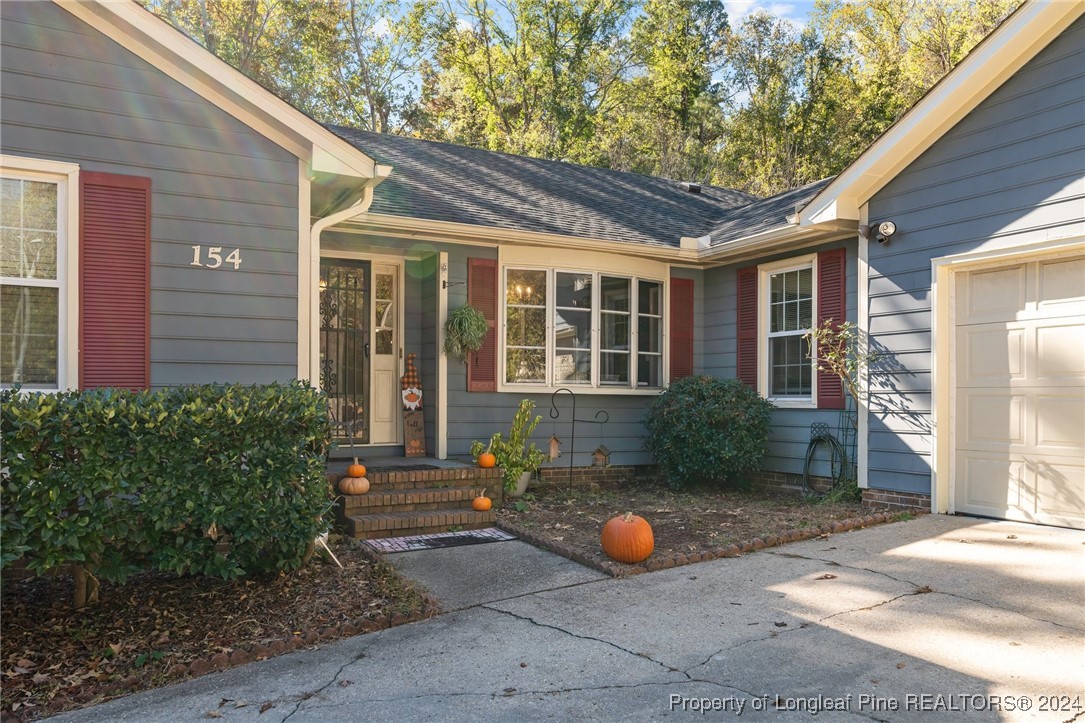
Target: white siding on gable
x: 1011, y: 173
x: 71, y: 94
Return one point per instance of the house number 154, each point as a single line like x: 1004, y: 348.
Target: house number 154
x: 214, y: 257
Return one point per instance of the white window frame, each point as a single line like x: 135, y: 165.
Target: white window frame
x: 764, y: 301
x: 66, y: 178
x: 595, y: 387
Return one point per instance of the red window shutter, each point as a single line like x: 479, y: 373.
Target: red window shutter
x: 681, y: 328
x: 747, y: 326
x: 832, y: 304
x: 114, y: 280
x: 482, y: 294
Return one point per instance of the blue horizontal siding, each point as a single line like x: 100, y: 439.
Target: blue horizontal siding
x: 1012, y: 172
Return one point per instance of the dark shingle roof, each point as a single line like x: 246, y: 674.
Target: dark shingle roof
x: 764, y: 215
x: 445, y: 182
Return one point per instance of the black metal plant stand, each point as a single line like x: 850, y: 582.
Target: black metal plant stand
x: 601, y: 418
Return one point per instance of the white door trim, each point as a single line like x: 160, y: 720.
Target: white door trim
x: 943, y: 323
x: 381, y: 260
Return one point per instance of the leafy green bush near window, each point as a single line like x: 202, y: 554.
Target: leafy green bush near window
x: 214, y: 480
x: 703, y: 430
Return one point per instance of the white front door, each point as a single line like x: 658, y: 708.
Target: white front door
x: 386, y: 425
x: 1020, y: 386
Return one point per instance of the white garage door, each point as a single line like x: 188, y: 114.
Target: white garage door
x: 1020, y: 384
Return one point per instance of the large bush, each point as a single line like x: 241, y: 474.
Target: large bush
x: 218, y: 480
x: 707, y: 430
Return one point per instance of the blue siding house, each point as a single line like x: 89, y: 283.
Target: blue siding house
x: 167, y: 221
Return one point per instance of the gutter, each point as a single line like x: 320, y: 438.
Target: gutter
x: 692, y: 251
x: 360, y: 207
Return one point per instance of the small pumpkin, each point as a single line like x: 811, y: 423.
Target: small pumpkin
x: 481, y: 503
x: 354, y: 485
x: 628, y: 538
x: 486, y: 460
x: 357, y: 469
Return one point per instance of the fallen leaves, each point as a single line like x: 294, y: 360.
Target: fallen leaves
x: 54, y: 659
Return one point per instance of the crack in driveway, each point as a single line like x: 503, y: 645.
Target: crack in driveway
x: 918, y: 591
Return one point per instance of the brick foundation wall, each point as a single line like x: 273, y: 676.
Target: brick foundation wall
x: 786, y: 482
x: 581, y: 476
x: 901, y: 500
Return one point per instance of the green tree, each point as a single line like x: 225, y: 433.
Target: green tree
x: 669, y: 118
x: 791, y: 92
x: 895, y: 50
x: 353, y: 62
x: 531, y: 74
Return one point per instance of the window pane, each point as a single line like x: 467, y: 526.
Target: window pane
x: 651, y: 336
x: 525, y: 287
x: 615, y: 331
x: 39, y: 206
x: 649, y: 370
x: 28, y: 335
x: 525, y: 365
x: 572, y: 329
x: 615, y: 293
x: 789, y: 367
x: 28, y: 254
x: 614, y: 368
x: 806, y: 314
x: 573, y: 291
x: 526, y: 326
x: 650, y: 298
x: 791, y: 316
x: 572, y: 367
x: 28, y: 229
x: 385, y: 318
x: 385, y: 287
x: 791, y: 302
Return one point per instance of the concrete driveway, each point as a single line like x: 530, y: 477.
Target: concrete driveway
x: 937, y: 619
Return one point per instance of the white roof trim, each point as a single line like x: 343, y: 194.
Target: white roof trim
x: 187, y: 62
x: 1016, y: 41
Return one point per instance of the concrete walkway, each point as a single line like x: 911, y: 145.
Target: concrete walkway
x: 937, y: 619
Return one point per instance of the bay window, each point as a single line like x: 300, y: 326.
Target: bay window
x: 582, y: 328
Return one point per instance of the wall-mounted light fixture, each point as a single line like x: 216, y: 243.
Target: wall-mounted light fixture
x: 880, y: 233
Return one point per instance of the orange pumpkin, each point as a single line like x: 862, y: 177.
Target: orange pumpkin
x: 486, y: 460
x: 356, y: 470
x: 481, y: 503
x: 354, y: 485
x: 628, y: 538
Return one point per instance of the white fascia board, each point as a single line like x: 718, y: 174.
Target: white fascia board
x: 492, y: 236
x: 189, y: 63
x: 993, y: 61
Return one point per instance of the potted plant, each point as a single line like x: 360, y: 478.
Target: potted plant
x: 465, y: 330
x: 517, y: 459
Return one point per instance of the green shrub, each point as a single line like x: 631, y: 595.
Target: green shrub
x: 707, y: 430
x: 111, y: 480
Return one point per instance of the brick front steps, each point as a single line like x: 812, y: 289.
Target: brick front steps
x: 418, y: 501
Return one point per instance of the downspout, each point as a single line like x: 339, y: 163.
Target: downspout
x: 318, y: 228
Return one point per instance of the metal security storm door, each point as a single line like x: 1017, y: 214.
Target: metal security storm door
x: 345, y: 345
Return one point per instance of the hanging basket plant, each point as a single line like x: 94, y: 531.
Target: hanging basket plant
x: 465, y: 330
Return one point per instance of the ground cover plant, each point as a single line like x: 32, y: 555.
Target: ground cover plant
x: 54, y: 658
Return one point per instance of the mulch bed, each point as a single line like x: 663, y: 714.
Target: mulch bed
x: 159, y: 627
x: 688, y: 526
